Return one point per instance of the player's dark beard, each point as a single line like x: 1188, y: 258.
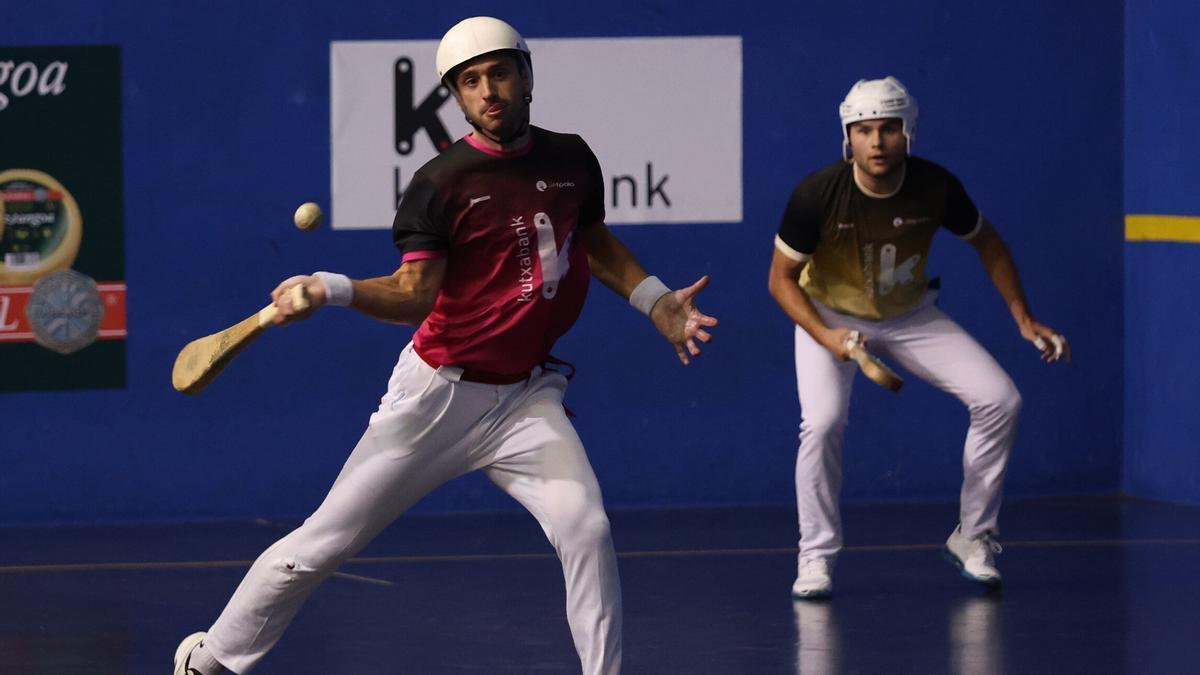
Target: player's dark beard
x: 505, y: 139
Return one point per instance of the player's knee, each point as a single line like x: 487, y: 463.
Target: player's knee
x: 594, y: 530
x: 303, y: 568
x: 1001, y: 401
x: 822, y: 426
x: 1013, y: 402
x: 302, y: 555
x: 587, y: 529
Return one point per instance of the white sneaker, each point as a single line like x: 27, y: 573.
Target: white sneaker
x: 974, y: 557
x: 183, y: 651
x: 813, y: 580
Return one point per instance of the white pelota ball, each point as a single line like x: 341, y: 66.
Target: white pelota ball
x: 308, y: 216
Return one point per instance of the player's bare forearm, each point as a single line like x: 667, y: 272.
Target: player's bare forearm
x: 612, y: 263
x: 998, y: 261
x: 406, y: 297
x: 784, y: 284
x: 1000, y: 266
x: 674, y: 314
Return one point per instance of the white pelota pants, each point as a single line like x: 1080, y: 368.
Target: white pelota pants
x: 429, y: 429
x: 933, y: 347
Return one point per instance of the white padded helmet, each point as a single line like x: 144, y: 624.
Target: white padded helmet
x: 876, y: 100
x: 476, y: 36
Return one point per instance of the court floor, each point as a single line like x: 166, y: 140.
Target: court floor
x: 1092, y: 585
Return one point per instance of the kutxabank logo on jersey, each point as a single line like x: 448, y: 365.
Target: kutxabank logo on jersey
x: 619, y: 94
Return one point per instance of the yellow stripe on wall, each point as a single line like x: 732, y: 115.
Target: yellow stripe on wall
x: 1142, y: 227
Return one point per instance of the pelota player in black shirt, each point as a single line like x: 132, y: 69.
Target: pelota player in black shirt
x: 849, y: 261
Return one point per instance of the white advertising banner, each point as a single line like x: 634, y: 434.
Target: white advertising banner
x: 663, y: 115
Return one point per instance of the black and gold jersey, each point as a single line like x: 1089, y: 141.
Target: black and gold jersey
x: 866, y: 252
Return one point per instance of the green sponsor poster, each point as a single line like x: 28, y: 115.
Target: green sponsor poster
x: 62, y: 245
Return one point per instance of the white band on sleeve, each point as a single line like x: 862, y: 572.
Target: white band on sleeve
x: 339, y: 290
x: 975, y: 230
x: 647, y: 293
x: 790, y: 252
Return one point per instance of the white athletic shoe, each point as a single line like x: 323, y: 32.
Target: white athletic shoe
x: 183, y: 651
x: 813, y: 580
x: 974, y: 557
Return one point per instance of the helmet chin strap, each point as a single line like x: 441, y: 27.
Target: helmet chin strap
x: 505, y: 140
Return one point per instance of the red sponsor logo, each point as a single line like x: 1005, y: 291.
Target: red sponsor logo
x: 14, y: 325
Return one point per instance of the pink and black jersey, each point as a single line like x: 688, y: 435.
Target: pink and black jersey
x: 517, y: 273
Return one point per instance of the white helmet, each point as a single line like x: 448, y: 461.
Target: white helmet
x: 476, y: 36
x: 876, y: 100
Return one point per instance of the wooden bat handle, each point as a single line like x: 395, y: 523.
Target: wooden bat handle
x: 203, y: 358
x: 872, y: 367
x: 859, y: 355
x: 266, y: 315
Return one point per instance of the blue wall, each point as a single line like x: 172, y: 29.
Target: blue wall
x: 1162, y: 396
x: 226, y: 131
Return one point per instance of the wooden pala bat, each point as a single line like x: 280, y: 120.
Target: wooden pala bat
x: 201, y: 360
x: 870, y: 365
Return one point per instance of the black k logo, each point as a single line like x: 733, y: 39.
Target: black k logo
x: 409, y: 119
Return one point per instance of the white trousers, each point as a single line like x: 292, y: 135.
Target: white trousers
x: 933, y: 347
x: 430, y: 428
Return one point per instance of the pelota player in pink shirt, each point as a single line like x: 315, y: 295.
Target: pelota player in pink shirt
x: 497, y: 235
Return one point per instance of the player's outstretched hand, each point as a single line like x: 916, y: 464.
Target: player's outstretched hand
x: 314, y: 293
x: 676, y: 317
x: 1052, y: 344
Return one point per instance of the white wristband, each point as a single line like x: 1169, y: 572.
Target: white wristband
x: 339, y: 290
x: 648, y: 292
